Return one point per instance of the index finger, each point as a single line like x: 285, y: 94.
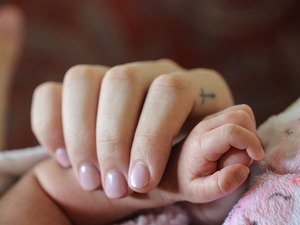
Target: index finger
x: 209, y: 147
x: 172, y: 99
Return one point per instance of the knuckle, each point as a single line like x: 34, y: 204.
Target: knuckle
x: 122, y: 74
x: 229, y: 129
x: 245, y: 119
x: 246, y: 108
x: 168, y: 62
x: 238, y: 116
x: 74, y: 136
x: 42, y: 124
x: 171, y: 82
x: 200, y: 143
x: 45, y: 89
x: 242, y: 115
x: 215, y: 73
x: 153, y: 139
x: 78, y: 74
x: 108, y: 145
x: 211, y: 72
x: 207, y: 118
x: 108, y: 140
x: 228, y: 117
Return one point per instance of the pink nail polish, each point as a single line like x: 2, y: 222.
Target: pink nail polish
x: 62, y: 157
x: 89, y: 176
x: 139, y: 176
x: 115, y: 185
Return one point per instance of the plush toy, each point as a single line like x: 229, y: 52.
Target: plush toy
x: 274, y: 198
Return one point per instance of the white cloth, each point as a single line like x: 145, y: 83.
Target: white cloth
x: 15, y: 163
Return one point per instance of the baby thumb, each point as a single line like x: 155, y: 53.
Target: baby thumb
x: 219, y: 184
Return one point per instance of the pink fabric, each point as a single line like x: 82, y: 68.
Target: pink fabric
x: 170, y: 215
x: 274, y: 199
x: 275, y: 195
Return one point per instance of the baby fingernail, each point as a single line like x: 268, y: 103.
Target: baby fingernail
x: 89, y: 176
x: 263, y: 154
x: 243, y: 173
x: 115, y: 185
x: 140, y: 176
x: 62, y: 157
x: 251, y: 162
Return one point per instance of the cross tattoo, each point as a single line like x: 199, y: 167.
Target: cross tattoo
x: 203, y: 95
x: 289, y: 131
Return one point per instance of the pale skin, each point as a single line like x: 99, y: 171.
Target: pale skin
x: 136, y: 118
x: 210, y: 163
x: 47, y: 192
x: 131, y: 112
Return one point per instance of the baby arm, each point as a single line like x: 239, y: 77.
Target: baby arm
x: 28, y: 203
x: 213, y: 163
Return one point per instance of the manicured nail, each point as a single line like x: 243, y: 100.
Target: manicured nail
x: 89, y: 176
x: 62, y: 157
x: 139, y: 176
x: 115, y: 185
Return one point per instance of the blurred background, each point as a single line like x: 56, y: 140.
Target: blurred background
x: 254, y: 44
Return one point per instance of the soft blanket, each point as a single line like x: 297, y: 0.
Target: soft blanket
x: 274, y: 196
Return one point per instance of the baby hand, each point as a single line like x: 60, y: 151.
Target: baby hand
x: 213, y: 161
x: 116, y: 126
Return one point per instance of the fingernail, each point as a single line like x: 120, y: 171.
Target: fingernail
x: 243, y: 173
x: 89, y: 176
x: 62, y: 157
x: 115, y: 185
x: 139, y: 176
x: 251, y: 162
x: 262, y: 153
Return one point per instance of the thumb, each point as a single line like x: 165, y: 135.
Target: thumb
x: 219, y: 184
